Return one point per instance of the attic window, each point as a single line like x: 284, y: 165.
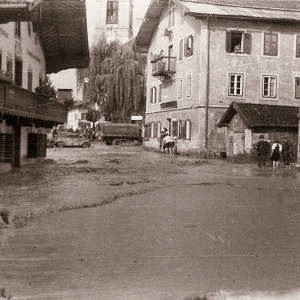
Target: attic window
x: 238, y: 42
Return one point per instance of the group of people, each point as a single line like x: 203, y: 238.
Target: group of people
x: 166, y: 142
x: 276, y: 151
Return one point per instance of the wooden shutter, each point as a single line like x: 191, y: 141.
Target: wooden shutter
x: 247, y: 43
x: 42, y: 145
x: 32, y: 145
x: 182, y: 133
x: 146, y: 132
x: 297, y: 88
x: 298, y: 46
x: 151, y: 95
x: 190, y: 45
x: 185, y: 46
x: 6, y: 147
x: 175, y: 128
x: 155, y: 133
x: 228, y: 41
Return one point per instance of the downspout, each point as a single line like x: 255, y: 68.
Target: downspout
x: 207, y: 85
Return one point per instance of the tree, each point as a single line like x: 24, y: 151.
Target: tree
x: 46, y: 88
x: 116, y: 80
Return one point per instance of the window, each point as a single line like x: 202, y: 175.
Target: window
x: 175, y: 128
x: 75, y: 117
x: 171, y: 17
x: 188, y: 130
x: 169, y: 91
x: 158, y: 129
x: 238, y: 42
x: 189, y: 86
x: 298, y: 46
x: 235, y: 85
x: 83, y: 116
x: 153, y: 95
x: 297, y: 88
x: 0, y: 61
x: 112, y: 12
x: 188, y: 47
x: 269, y: 86
x: 160, y: 92
x: 180, y: 88
x: 18, y: 29
x: 6, y: 147
x: 18, y: 72
x: 271, y: 44
x: 152, y: 129
x: 180, y: 49
x: 29, y: 80
x: 9, y: 68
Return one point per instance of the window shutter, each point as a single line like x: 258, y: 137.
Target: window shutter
x: 146, y: 132
x: 247, y: 43
x: 175, y: 128
x: 32, y: 145
x: 190, y: 45
x: 182, y: 134
x: 6, y: 147
x: 297, y: 88
x: 42, y: 145
x: 228, y: 41
x: 185, y: 46
x: 298, y: 46
x: 155, y: 134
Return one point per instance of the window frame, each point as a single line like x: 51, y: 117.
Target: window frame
x: 189, y: 85
x: 189, y: 46
x: 112, y: 7
x: 235, y: 86
x: 245, y: 42
x: 270, y: 53
x: 30, y: 80
x: 153, y: 94
x: 269, y: 93
x: 180, y: 87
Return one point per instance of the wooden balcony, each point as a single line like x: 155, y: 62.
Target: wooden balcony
x: 16, y: 101
x: 164, y: 67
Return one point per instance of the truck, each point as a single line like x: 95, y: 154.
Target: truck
x: 117, y: 133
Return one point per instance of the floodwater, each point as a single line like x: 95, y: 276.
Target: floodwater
x: 228, y: 239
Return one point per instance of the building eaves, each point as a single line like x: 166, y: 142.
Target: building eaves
x: 61, y: 26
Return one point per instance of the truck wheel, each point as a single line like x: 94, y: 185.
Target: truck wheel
x: 85, y: 145
x: 108, y: 142
x: 60, y: 144
x: 116, y: 142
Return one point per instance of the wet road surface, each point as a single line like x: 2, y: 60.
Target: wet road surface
x: 238, y: 236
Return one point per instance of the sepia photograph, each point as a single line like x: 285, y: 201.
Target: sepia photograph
x: 149, y: 150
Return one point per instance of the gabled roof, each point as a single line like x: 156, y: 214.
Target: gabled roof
x: 61, y: 26
x: 262, y: 115
x: 277, y: 10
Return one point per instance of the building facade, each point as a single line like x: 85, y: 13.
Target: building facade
x: 114, y: 19
x: 31, y: 46
x: 204, y: 55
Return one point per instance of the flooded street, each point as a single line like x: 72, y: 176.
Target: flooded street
x: 152, y: 229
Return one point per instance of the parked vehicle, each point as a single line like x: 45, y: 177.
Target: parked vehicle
x: 70, y: 139
x: 116, y: 133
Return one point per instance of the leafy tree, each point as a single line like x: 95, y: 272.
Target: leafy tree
x: 116, y: 80
x: 46, y: 88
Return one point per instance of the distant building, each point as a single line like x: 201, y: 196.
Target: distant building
x: 36, y: 39
x: 114, y: 19
x: 203, y: 55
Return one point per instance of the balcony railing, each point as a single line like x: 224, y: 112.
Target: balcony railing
x: 164, y: 67
x: 21, y: 102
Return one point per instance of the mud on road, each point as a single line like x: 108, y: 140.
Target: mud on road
x: 71, y: 178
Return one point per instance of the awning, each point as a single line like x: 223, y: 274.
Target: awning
x: 62, y: 28
x: 262, y: 115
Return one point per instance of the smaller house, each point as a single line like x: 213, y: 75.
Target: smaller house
x: 77, y: 115
x: 246, y: 121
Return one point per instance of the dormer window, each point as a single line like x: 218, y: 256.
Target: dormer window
x: 238, y: 42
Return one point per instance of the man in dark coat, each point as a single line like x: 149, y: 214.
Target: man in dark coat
x: 263, y: 149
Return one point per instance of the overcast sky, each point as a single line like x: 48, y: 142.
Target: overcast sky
x: 139, y: 10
